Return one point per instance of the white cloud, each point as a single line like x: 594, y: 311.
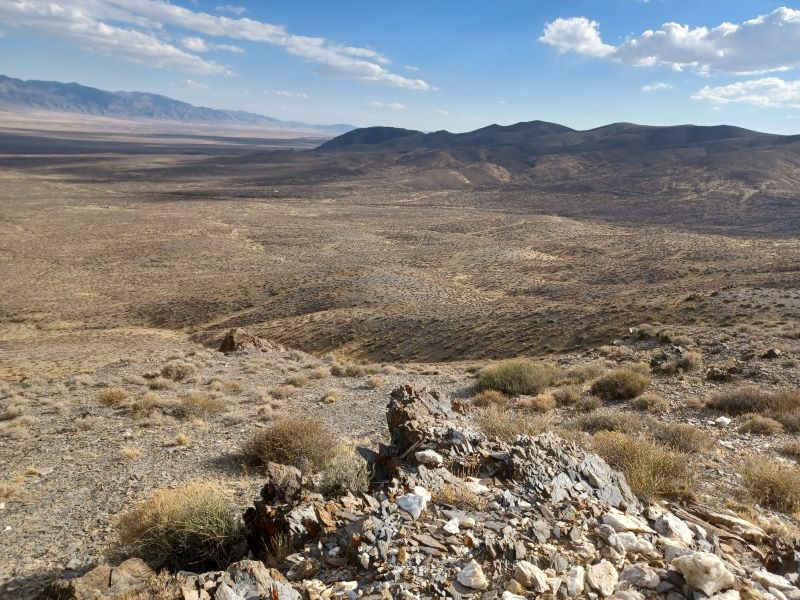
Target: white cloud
x: 287, y: 94
x: 656, y: 87
x: 760, y: 45
x: 411, y: 68
x: 232, y: 9
x: 195, y: 85
x: 80, y: 22
x: 577, y: 34
x: 441, y: 111
x: 768, y: 92
x: 388, y: 105
x: 196, y: 44
x: 85, y: 22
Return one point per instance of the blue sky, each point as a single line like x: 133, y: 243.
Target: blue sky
x: 455, y: 65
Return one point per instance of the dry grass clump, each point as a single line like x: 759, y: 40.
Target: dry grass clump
x: 506, y: 426
x: 10, y: 413
x: 297, y: 441
x: 758, y: 425
x: 112, y: 396
x: 567, y: 395
x: 201, y: 404
x: 539, y: 404
x: 584, y: 372
x: 190, y: 527
x: 689, y: 361
x: 608, y: 420
x: 330, y: 396
x: 652, y: 470
x: 490, y: 398
x: 232, y: 387
x: 772, y: 483
x: 161, y: 383
x: 622, y: 384
x: 281, y: 392
x: 517, y: 377
x: 130, y: 453
x: 9, y: 489
x: 347, y: 370
x: 651, y: 402
x: 588, y: 404
x: 179, y: 370
x: 181, y: 439
x: 345, y: 472
x: 144, y: 405
x: 682, y: 437
x: 374, y: 382
x: 459, y: 496
x: 134, y: 380
x: 782, y: 405
x: 319, y: 372
x: 792, y: 449
x: 298, y: 380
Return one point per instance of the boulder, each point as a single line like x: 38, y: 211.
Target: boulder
x: 704, y: 572
x: 472, y: 576
x: 602, y: 577
x: 104, y: 582
x: 238, y: 340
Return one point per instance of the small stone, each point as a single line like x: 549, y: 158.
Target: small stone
x: 704, y: 571
x: 575, y: 581
x: 415, y: 502
x: 509, y: 596
x: 622, y: 522
x: 729, y: 595
x: 530, y: 576
x: 722, y: 421
x: 452, y: 526
x: 640, y: 575
x: 672, y: 527
x: 602, y: 577
x: 429, y: 457
x: 472, y: 576
x: 466, y: 522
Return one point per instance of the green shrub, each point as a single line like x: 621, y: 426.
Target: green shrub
x: 296, y: 441
x: 190, y: 527
x: 517, y: 377
x: 772, y: 484
x: 652, y: 470
x: 345, y: 472
x: 621, y: 384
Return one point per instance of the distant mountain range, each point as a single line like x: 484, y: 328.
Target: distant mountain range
x: 75, y: 98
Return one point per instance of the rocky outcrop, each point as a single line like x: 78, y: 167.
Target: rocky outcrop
x: 238, y: 340
x: 102, y: 583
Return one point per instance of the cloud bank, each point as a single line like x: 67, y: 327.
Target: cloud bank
x: 136, y: 30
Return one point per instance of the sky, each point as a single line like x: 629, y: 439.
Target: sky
x: 429, y: 64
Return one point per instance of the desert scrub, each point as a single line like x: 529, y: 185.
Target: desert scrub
x: 517, y: 377
x: 298, y: 380
x: 650, y: 402
x: 758, y: 425
x: 782, y: 405
x: 622, y: 384
x: 346, y: 472
x: 652, y: 470
x: 201, y: 404
x: 281, y: 392
x: 682, y: 437
x: 608, y: 420
x: 538, y: 404
x: 460, y: 496
x: 584, y: 372
x: 330, y: 396
x: 190, y: 527
x: 506, y: 425
x: 319, y: 372
x: 490, y: 398
x: 772, y: 483
x: 179, y: 370
x: 567, y: 395
x: 112, y: 396
x: 143, y: 406
x: 296, y: 441
x: 374, y: 382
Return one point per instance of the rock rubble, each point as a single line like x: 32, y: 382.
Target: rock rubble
x: 454, y: 514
